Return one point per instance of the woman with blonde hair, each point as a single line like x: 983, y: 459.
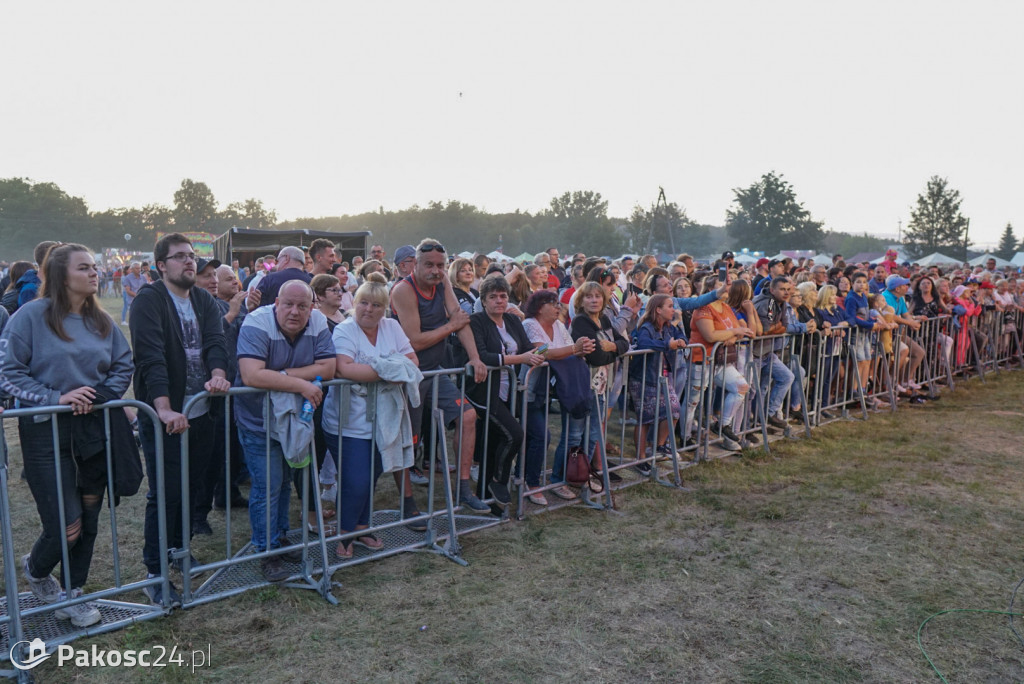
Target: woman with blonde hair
x: 359, y: 340
x: 462, y: 273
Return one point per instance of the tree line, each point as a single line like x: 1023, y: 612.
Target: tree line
x: 765, y: 216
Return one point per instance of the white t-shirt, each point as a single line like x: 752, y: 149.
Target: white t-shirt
x: 511, y: 348
x: 1006, y: 299
x: 351, y: 341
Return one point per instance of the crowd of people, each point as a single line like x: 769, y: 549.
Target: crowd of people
x: 777, y: 334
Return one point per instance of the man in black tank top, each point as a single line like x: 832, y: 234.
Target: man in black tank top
x: 429, y: 312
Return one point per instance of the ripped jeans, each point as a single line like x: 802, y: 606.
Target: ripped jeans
x: 729, y: 379
x: 81, y: 488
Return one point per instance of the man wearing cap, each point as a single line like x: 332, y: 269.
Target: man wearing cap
x: 206, y: 274
x: 761, y: 266
x: 895, y: 293
x: 405, y: 261
x: 730, y: 257
x: 776, y: 268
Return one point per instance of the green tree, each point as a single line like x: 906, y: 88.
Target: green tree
x: 767, y: 216
x: 936, y: 224
x: 1007, y: 244
x: 194, y: 206
x: 31, y: 212
x: 249, y: 214
x: 665, y: 227
x: 580, y: 222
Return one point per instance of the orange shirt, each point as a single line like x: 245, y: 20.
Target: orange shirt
x: 718, y: 313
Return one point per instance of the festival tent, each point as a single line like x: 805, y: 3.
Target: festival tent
x: 936, y: 258
x: 466, y: 255
x: 525, y: 256
x: 498, y: 256
x: 980, y: 261
x: 1018, y: 259
x: 745, y: 259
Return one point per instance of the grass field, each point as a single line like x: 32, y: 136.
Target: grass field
x: 817, y: 563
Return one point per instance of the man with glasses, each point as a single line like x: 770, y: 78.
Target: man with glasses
x: 178, y: 343
x: 377, y: 252
x: 429, y: 312
x: 291, y: 263
x: 405, y: 261
x: 555, y: 267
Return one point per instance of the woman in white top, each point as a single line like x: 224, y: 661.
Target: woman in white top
x: 543, y: 327
x: 358, y: 340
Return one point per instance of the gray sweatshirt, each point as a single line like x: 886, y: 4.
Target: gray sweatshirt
x: 37, y: 367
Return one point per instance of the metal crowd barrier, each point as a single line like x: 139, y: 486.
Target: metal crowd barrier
x: 23, y: 617
x: 237, y: 570
x: 827, y: 385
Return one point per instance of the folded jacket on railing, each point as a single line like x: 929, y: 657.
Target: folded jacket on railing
x: 288, y: 428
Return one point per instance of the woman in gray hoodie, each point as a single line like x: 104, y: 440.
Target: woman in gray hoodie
x: 63, y: 349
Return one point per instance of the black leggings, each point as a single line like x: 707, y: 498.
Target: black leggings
x: 82, y: 486
x: 504, y: 438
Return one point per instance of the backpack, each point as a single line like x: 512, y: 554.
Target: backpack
x: 10, y: 300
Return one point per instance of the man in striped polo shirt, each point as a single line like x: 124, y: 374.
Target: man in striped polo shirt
x: 281, y: 348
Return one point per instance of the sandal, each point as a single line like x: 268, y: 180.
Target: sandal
x: 370, y: 542
x: 344, y: 550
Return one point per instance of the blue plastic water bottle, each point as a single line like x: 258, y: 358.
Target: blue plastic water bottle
x: 307, y: 405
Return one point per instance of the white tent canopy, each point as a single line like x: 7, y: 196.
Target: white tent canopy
x: 466, y: 255
x: 745, y: 259
x: 980, y: 261
x: 936, y: 258
x: 1018, y: 259
x: 498, y: 256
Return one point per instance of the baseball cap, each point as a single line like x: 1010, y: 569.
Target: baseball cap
x: 404, y: 252
x: 763, y: 261
x: 894, y: 281
x: 203, y: 263
x: 773, y: 262
x: 728, y: 255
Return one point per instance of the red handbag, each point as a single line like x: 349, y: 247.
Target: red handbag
x: 577, y: 467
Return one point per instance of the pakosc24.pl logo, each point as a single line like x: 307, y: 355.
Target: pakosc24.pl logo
x: 157, y: 656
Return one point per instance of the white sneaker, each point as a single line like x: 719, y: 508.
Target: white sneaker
x: 914, y: 385
x: 82, y: 614
x: 46, y: 589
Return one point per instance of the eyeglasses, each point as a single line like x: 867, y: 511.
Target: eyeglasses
x: 432, y: 248
x: 182, y: 257
x: 335, y: 290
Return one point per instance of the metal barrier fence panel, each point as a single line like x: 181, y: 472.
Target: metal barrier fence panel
x: 24, y: 617
x: 436, y: 529
x: 842, y: 372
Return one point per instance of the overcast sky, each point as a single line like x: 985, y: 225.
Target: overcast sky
x: 329, y: 108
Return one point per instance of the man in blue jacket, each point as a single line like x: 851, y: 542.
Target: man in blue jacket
x: 772, y: 307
